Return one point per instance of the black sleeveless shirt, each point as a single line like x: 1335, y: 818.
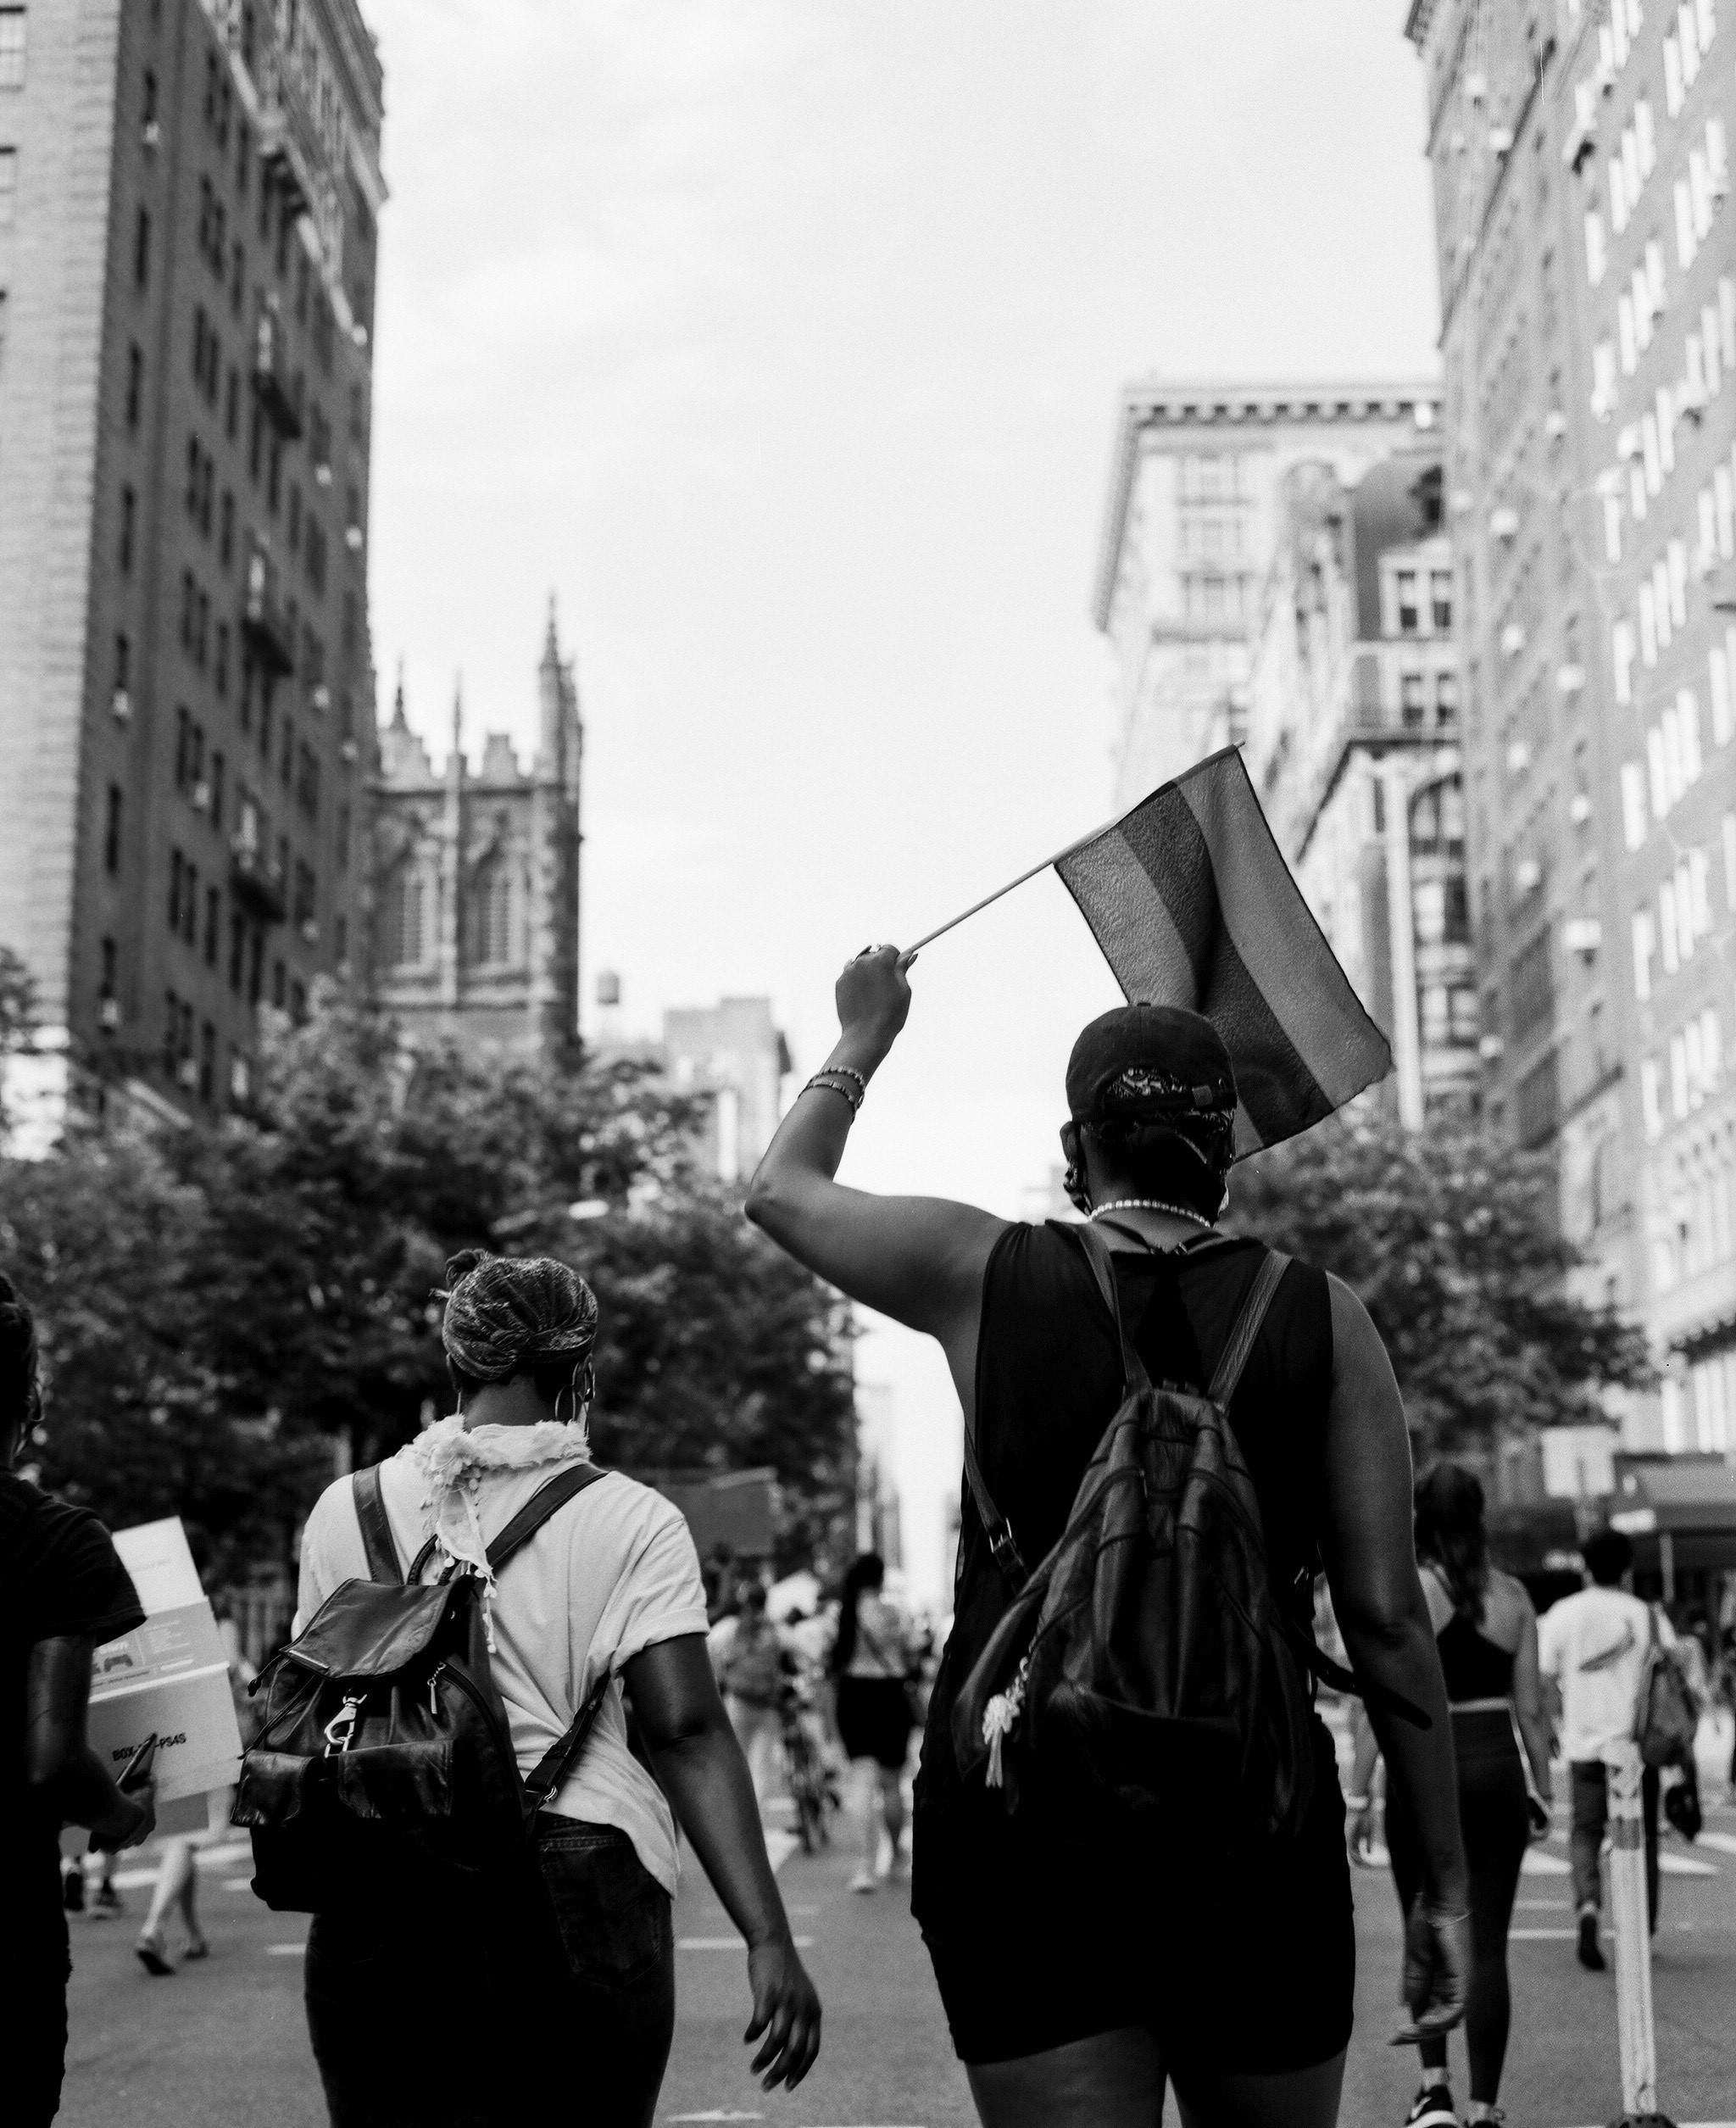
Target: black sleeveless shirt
x: 1048, y: 1381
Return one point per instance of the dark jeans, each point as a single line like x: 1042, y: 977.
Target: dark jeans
x: 558, y: 1998
x: 1590, y: 1780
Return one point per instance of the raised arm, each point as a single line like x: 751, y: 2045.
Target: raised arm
x: 1370, y: 1564
x: 919, y: 1260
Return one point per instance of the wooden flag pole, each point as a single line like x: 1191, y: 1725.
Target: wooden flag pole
x: 953, y: 924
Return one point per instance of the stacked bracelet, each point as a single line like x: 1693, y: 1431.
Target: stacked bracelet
x: 831, y: 1086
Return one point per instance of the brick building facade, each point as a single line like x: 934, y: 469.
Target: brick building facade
x: 188, y: 199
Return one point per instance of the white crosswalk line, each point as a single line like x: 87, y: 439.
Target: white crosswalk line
x: 730, y: 1942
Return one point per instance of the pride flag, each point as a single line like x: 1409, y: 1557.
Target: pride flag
x: 1192, y: 904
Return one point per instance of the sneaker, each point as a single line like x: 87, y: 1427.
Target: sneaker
x: 864, y: 1880
x: 106, y: 1899
x: 1591, y: 1955
x: 1433, y: 2108
x: 72, y: 1892
x: 153, y: 1953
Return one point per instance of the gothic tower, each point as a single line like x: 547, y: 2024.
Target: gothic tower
x: 476, y: 878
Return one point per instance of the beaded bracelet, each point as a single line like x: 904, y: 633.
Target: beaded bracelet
x: 830, y: 1086
x: 843, y: 1070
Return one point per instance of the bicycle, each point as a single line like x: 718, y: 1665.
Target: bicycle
x: 812, y: 1784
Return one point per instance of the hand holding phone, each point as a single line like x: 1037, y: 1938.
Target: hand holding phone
x: 139, y: 1788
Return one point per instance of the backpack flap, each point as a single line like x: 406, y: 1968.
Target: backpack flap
x: 370, y: 1629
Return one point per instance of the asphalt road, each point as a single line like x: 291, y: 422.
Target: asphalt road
x: 223, y: 2042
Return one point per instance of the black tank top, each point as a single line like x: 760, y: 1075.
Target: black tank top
x: 1473, y: 1666
x: 1048, y: 1381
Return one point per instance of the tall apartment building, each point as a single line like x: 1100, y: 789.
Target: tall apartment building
x: 1353, y: 744
x: 476, y: 878
x: 188, y: 199
x: 1188, y: 536
x: 1589, y: 300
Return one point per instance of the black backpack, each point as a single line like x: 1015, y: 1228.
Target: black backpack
x: 384, y: 1767
x: 1149, y: 1665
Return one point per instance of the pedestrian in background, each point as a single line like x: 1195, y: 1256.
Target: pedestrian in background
x: 748, y: 1655
x: 567, y: 2006
x: 63, y: 1592
x: 870, y: 1670
x: 1077, y: 1982
x: 1486, y: 1633
x: 1593, y: 1647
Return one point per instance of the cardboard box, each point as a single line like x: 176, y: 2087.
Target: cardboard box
x: 169, y: 1674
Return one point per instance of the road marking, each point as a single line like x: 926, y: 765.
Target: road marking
x: 1686, y: 1866
x: 1724, y: 1842
x: 1538, y: 1906
x: 1536, y: 1864
x: 729, y: 1943
x: 717, y: 2113
x: 1542, y: 1936
x: 285, y: 1950
x: 779, y: 1847
x: 238, y: 1884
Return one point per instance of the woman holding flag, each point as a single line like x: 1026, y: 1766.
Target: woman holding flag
x: 1077, y: 1987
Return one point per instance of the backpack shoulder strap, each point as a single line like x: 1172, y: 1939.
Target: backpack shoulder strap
x: 996, y: 1526
x: 376, y: 1530
x: 536, y: 1511
x: 1101, y: 1258
x: 1246, y: 1328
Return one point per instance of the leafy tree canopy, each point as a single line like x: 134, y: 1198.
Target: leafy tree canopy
x: 217, y: 1305
x: 1453, y: 1244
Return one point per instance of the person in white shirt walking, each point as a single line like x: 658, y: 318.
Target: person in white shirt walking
x: 610, y: 1582
x: 1592, y: 1648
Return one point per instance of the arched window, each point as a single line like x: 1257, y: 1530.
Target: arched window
x: 401, y: 920
x: 493, y: 906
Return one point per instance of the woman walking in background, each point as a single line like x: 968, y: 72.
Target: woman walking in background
x: 1486, y: 1632
x: 871, y: 1661
x: 748, y: 1653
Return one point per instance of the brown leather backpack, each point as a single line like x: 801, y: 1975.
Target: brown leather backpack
x: 1148, y: 1664
x: 384, y: 1767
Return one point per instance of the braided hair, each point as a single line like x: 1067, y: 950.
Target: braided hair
x: 20, y: 1388
x: 516, y: 1315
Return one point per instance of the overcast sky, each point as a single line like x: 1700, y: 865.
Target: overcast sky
x: 782, y: 340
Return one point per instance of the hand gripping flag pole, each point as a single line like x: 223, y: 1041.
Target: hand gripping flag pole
x: 1191, y: 904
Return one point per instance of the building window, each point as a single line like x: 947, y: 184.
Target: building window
x: 140, y: 241
x: 107, y: 990
x: 1409, y: 615
x: 1440, y: 592
x: 135, y: 383
x: 111, y: 830
x: 177, y: 869
x: 1536, y: 1105
x: 1412, y: 700
x: 494, y: 915
x: 8, y: 186
x: 12, y: 28
x: 401, y: 924
x: 213, y: 924
x: 1446, y: 699
x: 208, y: 1059
x: 123, y: 662
x: 129, y: 503
x: 277, y: 983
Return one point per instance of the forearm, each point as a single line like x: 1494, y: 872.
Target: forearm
x: 1364, y: 1758
x: 1535, y: 1732
x: 1399, y: 1653
x: 706, y: 1779
x: 810, y: 1143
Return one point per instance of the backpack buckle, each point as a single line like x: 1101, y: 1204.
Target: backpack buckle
x: 340, y: 1731
x: 1006, y: 1551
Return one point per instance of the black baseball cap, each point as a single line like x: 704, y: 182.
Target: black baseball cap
x: 1148, y: 1059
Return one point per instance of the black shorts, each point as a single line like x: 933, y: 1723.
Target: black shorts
x: 1039, y: 1937
x: 874, y: 1719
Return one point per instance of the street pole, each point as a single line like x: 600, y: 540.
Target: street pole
x: 1632, y: 1918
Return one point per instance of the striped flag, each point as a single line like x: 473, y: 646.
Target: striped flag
x: 1192, y: 904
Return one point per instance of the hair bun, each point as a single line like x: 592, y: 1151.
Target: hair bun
x: 465, y: 1261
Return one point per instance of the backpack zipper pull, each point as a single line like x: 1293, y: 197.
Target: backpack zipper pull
x: 999, y: 1719
x: 434, y: 1677
x: 340, y: 1731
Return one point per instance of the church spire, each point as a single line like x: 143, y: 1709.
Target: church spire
x: 551, y: 642
x: 400, y: 723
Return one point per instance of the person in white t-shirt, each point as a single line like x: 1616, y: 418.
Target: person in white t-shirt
x: 610, y: 1581
x: 1591, y: 1647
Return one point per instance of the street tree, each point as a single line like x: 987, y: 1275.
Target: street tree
x: 1453, y: 1244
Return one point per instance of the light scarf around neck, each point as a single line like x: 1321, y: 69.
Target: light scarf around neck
x: 451, y: 1459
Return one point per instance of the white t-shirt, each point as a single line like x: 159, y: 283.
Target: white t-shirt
x: 610, y: 1573
x: 883, y: 1639
x: 1594, y: 1645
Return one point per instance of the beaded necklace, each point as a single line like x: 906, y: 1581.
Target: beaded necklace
x: 1149, y: 1203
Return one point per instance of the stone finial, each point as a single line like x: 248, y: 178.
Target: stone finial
x: 400, y: 723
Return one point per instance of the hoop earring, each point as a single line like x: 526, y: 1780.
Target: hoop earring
x: 572, y: 1394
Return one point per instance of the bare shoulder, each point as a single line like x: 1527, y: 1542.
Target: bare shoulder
x: 1507, y: 1608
